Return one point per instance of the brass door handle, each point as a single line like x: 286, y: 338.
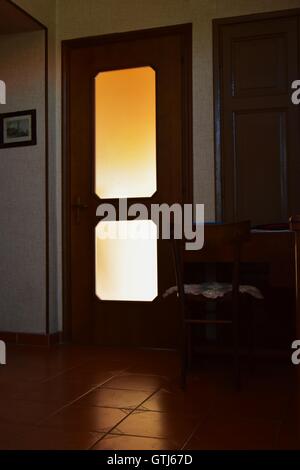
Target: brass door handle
x: 78, y: 206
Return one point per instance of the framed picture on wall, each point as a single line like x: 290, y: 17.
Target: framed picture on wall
x: 18, y: 129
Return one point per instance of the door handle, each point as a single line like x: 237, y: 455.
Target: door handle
x: 78, y: 206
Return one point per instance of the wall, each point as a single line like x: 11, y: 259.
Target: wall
x: 78, y: 18
x: 22, y: 182
x: 45, y: 12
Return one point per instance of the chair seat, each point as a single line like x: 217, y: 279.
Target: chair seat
x: 214, y: 290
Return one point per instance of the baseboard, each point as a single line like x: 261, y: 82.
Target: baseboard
x: 31, y: 339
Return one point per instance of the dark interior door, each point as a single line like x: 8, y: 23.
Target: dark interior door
x: 167, y: 52
x: 258, y: 168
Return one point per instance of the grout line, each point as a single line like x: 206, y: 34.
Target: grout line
x: 64, y: 371
x: 125, y: 417
x: 197, y: 426
x: 72, y: 402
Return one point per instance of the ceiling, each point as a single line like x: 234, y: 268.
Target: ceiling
x: 14, y: 20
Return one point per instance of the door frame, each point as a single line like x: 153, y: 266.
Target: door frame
x: 185, y: 32
x: 218, y: 25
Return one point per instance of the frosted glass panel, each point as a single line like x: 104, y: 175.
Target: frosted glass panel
x: 126, y: 133
x: 126, y: 266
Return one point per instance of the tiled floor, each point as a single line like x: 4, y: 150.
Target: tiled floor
x: 72, y: 397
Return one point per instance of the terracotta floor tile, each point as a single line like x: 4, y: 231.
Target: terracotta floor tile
x: 167, y: 364
x: 9, y: 390
x: 57, y: 390
x: 289, y: 436
x: 9, y: 433
x: 17, y: 411
x: 136, y: 382
x: 177, y: 400
x: 89, y: 418
x: 37, y: 438
x: 89, y: 374
x: 108, y: 397
x: 234, y: 434
x: 107, y: 363
x: 252, y: 403
x: 113, y: 442
x: 176, y: 427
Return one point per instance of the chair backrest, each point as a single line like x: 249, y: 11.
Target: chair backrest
x: 222, y: 244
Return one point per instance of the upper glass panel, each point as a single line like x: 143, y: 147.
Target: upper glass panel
x: 126, y: 133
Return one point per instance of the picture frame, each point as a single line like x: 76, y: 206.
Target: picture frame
x: 18, y: 129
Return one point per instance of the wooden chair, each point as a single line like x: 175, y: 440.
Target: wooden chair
x: 222, y: 244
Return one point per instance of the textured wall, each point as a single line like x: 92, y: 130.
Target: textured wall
x: 45, y: 12
x: 22, y: 183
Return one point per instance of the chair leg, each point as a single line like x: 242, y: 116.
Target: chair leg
x: 184, y: 358
x: 236, y: 349
x: 183, y: 369
x: 251, y: 334
x: 236, y: 359
x: 189, y: 346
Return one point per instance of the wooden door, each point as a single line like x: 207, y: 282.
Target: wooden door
x: 257, y: 138
x: 167, y: 52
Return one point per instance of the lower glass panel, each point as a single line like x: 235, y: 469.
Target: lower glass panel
x: 126, y: 260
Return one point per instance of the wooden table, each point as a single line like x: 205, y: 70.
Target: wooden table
x: 279, y: 250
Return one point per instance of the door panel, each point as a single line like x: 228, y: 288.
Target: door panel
x: 260, y: 74
x: 258, y: 61
x: 125, y: 322
x: 260, y: 193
